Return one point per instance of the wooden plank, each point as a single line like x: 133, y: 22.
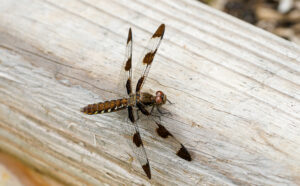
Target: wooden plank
x: 13, y: 172
x: 235, y: 90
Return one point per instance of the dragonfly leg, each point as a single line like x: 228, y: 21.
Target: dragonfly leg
x: 163, y: 113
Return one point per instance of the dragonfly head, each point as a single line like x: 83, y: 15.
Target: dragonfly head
x: 160, y: 98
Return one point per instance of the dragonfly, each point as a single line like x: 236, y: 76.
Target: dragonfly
x: 138, y: 101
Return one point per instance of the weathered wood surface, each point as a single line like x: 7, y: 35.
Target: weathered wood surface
x: 235, y: 88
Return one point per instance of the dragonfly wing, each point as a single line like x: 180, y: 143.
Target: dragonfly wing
x: 147, y: 57
x: 125, y: 77
x: 135, y: 141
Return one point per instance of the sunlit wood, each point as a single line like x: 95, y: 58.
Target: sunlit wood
x: 234, y: 88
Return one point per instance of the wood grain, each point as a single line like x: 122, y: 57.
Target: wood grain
x: 235, y: 90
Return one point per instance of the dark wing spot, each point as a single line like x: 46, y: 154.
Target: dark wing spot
x: 142, y: 108
x: 139, y: 84
x: 146, y: 168
x: 137, y: 139
x: 184, y: 154
x: 130, y: 114
x: 160, y: 31
x: 128, y: 64
x: 129, y: 36
x: 128, y: 86
x: 162, y: 131
x: 149, y: 57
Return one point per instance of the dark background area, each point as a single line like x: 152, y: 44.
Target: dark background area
x: 281, y: 17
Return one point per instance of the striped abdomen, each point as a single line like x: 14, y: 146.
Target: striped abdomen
x: 105, y: 107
